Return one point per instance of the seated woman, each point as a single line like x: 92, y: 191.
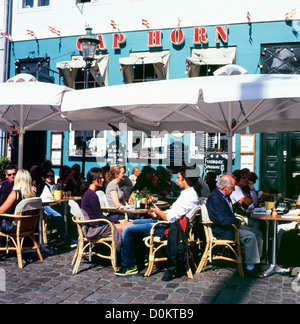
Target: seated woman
x: 22, y: 189
x: 91, y: 205
x: 115, y: 196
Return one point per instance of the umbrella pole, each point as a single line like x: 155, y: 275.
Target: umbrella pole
x: 229, y: 136
x: 229, y: 161
x: 21, y: 138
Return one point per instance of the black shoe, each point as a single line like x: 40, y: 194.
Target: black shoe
x: 168, y: 276
x: 253, y: 273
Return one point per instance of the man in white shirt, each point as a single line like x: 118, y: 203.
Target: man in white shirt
x: 132, y: 236
x: 242, y: 183
x: 55, y: 216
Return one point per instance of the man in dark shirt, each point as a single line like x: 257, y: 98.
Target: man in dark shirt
x: 6, y: 188
x: 7, y: 185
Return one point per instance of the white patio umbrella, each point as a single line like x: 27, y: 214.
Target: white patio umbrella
x: 26, y: 104
x: 225, y: 104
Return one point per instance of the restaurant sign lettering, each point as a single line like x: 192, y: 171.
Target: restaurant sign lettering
x: 176, y: 37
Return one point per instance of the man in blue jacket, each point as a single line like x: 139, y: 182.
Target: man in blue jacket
x: 221, y: 213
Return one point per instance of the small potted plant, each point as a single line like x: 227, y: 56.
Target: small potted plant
x: 144, y: 195
x: 58, y: 191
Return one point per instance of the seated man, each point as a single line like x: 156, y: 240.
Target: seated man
x: 221, y: 213
x: 132, y: 236
x: 57, y: 218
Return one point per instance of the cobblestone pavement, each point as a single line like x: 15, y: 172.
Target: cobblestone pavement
x: 52, y: 282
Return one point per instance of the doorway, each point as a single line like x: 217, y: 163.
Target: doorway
x: 280, y: 163
x: 34, y: 148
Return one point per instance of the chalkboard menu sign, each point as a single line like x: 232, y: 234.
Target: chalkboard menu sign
x: 214, y: 162
x: 115, y: 153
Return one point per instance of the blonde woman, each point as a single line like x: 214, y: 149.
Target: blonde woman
x: 114, y: 195
x: 22, y: 189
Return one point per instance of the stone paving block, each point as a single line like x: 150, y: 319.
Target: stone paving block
x: 52, y: 282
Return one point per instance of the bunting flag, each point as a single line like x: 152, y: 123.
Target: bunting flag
x: 54, y: 31
x: 145, y: 23
x: 113, y: 24
x: 290, y: 15
x: 248, y: 17
x: 6, y: 36
x: 30, y: 32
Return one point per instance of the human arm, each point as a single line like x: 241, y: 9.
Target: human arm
x: 8, y: 202
x: 298, y: 202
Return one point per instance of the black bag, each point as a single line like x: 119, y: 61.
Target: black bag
x: 289, y: 253
x: 7, y: 226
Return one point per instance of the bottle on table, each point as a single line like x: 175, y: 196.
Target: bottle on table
x: 137, y: 204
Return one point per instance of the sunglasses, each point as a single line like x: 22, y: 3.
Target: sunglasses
x: 50, y: 175
x: 11, y: 174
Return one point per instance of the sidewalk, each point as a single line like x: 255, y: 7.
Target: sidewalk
x: 52, y: 282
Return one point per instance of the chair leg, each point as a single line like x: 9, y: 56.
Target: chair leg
x: 75, y: 255
x: 79, y: 257
x: 36, y: 247
x: 19, y: 253
x: 204, y: 259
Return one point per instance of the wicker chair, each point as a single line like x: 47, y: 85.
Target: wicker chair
x: 105, y: 206
x: 83, y: 242
x: 156, y: 245
x: 211, y: 242
x: 26, y: 215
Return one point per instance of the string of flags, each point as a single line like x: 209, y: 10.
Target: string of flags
x: 145, y: 23
x: 6, y: 36
x: 248, y: 17
x: 113, y: 24
x: 290, y: 15
x: 30, y: 32
x: 54, y: 31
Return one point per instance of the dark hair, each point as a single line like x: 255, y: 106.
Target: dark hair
x: 237, y: 174
x: 191, y: 176
x: 62, y: 171
x: 253, y: 177
x: 11, y: 167
x: 92, y: 175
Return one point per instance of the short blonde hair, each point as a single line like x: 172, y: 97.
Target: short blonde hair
x: 23, y: 182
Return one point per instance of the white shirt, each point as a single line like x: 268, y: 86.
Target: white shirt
x: 238, y: 193
x: 187, y: 200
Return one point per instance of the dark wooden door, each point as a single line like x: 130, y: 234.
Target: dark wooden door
x: 280, y: 162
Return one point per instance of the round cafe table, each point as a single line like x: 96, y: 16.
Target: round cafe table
x: 274, y: 268
x: 53, y: 202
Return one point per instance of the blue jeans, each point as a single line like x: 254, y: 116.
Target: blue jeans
x: 132, y: 240
x: 58, y: 220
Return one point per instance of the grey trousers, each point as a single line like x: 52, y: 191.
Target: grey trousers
x: 252, y: 239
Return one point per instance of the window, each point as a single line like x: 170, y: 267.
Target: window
x: 27, y: 4
x: 73, y: 72
x: 95, y: 143
x: 283, y: 59
x: 35, y: 3
x: 204, y: 62
x: 145, y: 66
x: 42, y: 3
x: 33, y: 66
x: 82, y: 1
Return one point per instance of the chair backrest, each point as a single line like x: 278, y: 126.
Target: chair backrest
x: 205, y: 217
x: 102, y: 198
x: 28, y: 207
x: 76, y: 210
x: 28, y: 204
x: 193, y: 212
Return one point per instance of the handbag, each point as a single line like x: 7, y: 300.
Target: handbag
x: 7, y: 226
